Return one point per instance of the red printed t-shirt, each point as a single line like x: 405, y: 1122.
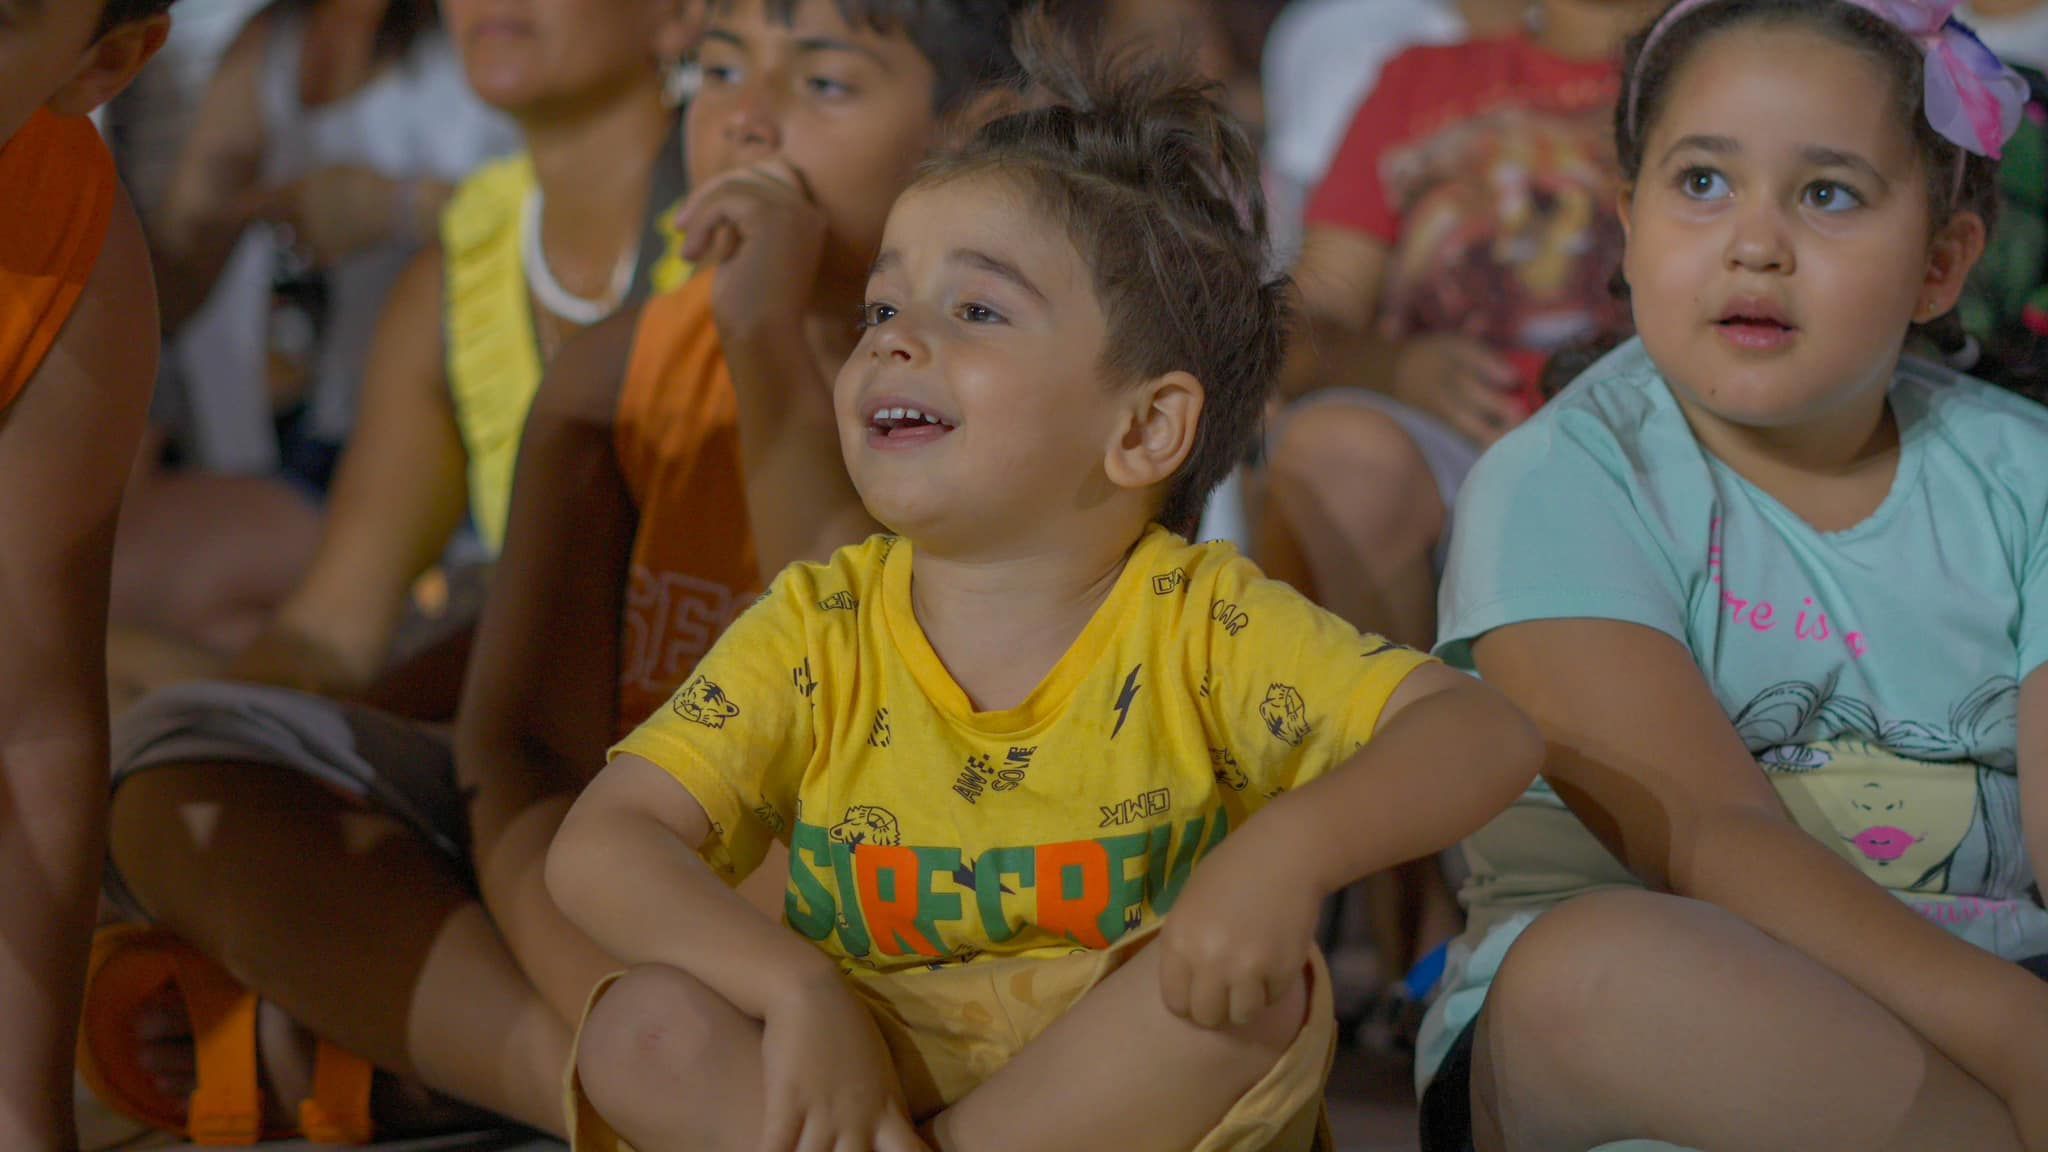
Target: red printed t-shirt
x: 1488, y: 171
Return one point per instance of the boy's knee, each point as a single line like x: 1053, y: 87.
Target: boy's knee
x: 644, y: 1038
x: 1358, y: 456
x: 153, y: 827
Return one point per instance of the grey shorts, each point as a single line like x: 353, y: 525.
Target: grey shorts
x: 1448, y: 453
x: 393, y: 766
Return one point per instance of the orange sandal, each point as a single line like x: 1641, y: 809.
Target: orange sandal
x: 130, y: 965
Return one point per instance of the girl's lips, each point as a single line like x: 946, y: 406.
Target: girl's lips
x: 1756, y: 335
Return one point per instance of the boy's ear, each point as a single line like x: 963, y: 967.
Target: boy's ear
x: 110, y: 64
x: 1158, y: 434
x: 1625, y: 207
x: 1955, y: 251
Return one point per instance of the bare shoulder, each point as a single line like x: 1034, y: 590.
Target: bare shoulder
x: 108, y: 350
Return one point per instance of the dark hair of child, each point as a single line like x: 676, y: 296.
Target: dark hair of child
x: 967, y: 41
x: 1158, y: 189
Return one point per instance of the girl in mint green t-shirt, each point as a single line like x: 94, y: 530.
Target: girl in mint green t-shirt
x: 1778, y: 598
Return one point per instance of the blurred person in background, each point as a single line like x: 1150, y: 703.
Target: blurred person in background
x: 328, y: 143
x: 78, y: 349
x: 1465, y: 229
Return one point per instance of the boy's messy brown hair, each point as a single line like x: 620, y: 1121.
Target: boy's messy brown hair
x: 1158, y: 188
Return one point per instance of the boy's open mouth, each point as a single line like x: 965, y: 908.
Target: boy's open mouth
x: 904, y: 426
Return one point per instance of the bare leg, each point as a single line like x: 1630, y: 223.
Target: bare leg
x: 349, y: 923
x: 1171, y: 1084
x: 1631, y: 1015
x: 671, y: 1065
x: 52, y: 824
x: 1351, y: 490
x: 209, y: 557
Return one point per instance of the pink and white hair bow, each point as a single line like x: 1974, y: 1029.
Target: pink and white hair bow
x: 1971, y: 97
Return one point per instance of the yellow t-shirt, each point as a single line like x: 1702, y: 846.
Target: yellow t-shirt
x: 922, y: 832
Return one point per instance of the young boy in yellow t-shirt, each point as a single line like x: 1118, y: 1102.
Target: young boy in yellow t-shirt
x: 1004, y: 743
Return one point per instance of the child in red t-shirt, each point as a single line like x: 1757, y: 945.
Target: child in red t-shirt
x: 1465, y: 230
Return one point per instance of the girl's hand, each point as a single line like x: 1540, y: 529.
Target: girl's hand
x: 1461, y: 382
x: 761, y: 228
x: 829, y: 1079
x: 1240, y: 932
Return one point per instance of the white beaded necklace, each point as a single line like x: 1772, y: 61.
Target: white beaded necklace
x: 581, y: 311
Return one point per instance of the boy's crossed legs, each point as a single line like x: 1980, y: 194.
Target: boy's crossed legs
x: 672, y: 1065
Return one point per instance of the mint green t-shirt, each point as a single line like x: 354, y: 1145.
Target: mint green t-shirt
x: 1874, y: 672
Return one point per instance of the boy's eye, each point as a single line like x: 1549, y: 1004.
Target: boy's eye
x: 980, y: 314
x: 719, y: 74
x: 1703, y: 184
x: 827, y: 87
x: 876, y: 315
x: 1828, y: 196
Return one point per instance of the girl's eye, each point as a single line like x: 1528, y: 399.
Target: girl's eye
x: 876, y: 315
x: 1703, y: 184
x: 722, y: 75
x: 1829, y: 196
x: 827, y: 87
x: 979, y: 314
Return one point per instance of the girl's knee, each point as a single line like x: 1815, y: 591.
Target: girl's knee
x: 1579, y: 968
x: 1361, y: 460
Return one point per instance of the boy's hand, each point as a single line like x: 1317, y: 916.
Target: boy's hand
x: 764, y: 232
x: 1240, y: 933
x: 828, y: 1077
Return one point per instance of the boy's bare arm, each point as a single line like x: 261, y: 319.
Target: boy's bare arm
x: 65, y: 449
x: 625, y: 868
x: 760, y: 228
x: 800, y: 500
x: 1450, y: 754
x: 540, y: 702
